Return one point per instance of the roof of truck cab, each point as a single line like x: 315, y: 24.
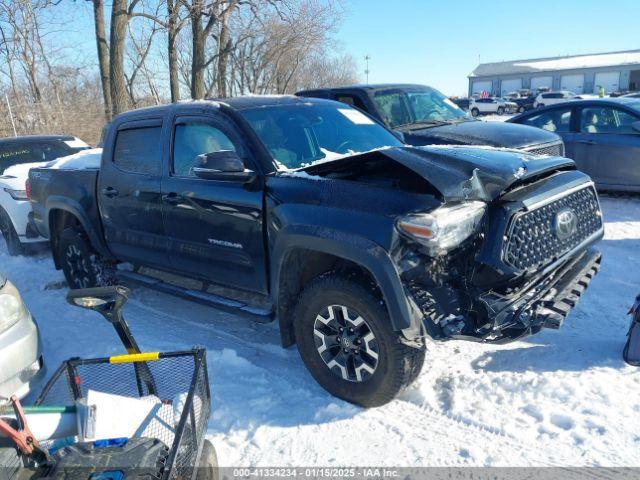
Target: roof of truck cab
x: 35, y: 138
x: 369, y: 87
x: 236, y: 103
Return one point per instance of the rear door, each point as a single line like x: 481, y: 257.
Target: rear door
x: 129, y: 193
x: 610, y: 144
x: 214, y: 227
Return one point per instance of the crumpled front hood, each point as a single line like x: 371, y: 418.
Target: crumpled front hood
x: 459, y: 173
x: 495, y: 134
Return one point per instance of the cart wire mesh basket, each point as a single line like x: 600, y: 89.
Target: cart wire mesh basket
x: 163, y: 378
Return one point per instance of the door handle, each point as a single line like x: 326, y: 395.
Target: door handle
x: 172, y: 198
x: 110, y: 192
x: 586, y: 142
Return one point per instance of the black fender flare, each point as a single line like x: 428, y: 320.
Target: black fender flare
x: 57, y: 202
x: 362, y: 251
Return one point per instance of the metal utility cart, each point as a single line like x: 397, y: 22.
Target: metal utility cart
x: 161, y: 376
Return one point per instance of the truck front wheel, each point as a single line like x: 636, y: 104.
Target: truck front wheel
x: 345, y: 338
x: 83, y: 267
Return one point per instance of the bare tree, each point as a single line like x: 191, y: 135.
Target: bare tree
x: 103, y: 54
x: 120, y: 15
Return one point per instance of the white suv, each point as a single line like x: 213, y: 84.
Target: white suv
x: 551, y: 98
x: 497, y: 105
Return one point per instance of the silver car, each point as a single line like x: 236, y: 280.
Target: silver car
x: 21, y: 361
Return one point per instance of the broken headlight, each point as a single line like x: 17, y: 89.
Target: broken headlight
x: 445, y: 228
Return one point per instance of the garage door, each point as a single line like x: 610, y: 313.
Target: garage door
x: 609, y: 80
x: 573, y: 83
x: 537, y: 82
x: 510, y: 85
x: 479, y: 87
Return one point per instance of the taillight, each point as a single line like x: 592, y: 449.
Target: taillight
x: 27, y: 187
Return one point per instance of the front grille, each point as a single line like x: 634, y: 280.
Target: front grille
x: 554, y: 150
x: 533, y: 239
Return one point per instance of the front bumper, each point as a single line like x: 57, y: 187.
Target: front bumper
x: 545, y: 302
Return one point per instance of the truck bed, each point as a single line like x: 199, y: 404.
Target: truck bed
x: 68, y: 189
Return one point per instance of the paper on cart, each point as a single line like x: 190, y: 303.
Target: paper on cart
x: 103, y: 415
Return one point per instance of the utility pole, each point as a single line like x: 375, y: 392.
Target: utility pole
x: 366, y: 70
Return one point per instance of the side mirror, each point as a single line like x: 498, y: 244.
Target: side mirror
x: 107, y: 301
x: 636, y: 126
x: 224, y: 165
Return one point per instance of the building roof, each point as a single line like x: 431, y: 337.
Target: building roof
x: 572, y: 62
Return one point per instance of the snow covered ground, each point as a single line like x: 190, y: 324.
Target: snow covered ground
x: 559, y: 398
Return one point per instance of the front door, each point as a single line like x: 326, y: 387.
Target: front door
x: 610, y: 145
x: 129, y: 193
x: 214, y: 227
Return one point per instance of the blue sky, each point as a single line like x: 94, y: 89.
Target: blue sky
x: 438, y: 42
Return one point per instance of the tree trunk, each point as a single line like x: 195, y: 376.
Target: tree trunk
x: 172, y: 31
x: 103, y: 55
x: 197, y: 61
x: 118, y: 84
x: 224, y: 50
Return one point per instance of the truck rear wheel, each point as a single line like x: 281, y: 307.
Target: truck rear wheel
x: 345, y: 338
x: 83, y: 267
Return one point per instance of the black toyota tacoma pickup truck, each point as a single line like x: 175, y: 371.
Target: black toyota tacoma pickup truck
x: 310, y: 212
x: 424, y: 116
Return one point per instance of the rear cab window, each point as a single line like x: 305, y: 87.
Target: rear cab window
x: 139, y: 150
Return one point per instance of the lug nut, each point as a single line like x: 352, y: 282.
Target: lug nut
x: 345, y: 350
x: 338, y: 339
x: 351, y: 330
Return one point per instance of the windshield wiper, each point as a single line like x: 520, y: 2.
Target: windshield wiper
x: 426, y: 124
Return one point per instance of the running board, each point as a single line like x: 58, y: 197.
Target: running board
x: 257, y: 314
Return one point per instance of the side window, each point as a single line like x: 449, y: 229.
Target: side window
x: 351, y: 100
x: 138, y: 150
x: 557, y: 120
x: 606, y: 120
x: 193, y: 139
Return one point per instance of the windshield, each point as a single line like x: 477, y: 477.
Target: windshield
x: 16, y: 153
x: 298, y: 135
x: 400, y: 107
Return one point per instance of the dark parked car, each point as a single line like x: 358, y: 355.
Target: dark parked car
x: 601, y: 135
x: 424, y: 116
x: 524, y: 103
x: 463, y: 103
x: 308, y: 211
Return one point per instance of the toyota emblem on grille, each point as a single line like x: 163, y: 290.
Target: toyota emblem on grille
x: 566, y: 223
